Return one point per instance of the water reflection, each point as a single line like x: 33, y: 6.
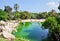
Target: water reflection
x: 32, y: 31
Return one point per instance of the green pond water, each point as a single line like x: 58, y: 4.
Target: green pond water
x: 32, y: 31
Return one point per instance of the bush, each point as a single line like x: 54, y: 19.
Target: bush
x: 3, y: 15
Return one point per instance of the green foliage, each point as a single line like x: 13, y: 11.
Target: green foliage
x: 52, y: 13
x: 16, y: 39
x: 20, y: 28
x: 26, y: 15
x: 17, y: 15
x: 8, y: 9
x: 20, y: 39
x: 42, y: 15
x: 2, y: 39
x: 54, y: 28
x: 3, y: 15
x: 50, y: 21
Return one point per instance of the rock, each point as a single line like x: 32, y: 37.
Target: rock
x: 2, y: 23
x: 8, y: 35
x: 7, y: 28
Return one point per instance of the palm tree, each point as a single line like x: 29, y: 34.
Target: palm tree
x: 16, y: 7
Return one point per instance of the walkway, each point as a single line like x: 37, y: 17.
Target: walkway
x: 33, y: 20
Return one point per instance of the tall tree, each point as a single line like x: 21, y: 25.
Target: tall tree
x: 8, y: 9
x: 16, y: 7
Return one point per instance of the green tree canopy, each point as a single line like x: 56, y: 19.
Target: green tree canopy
x: 3, y: 15
x: 26, y: 15
x: 52, y: 13
x: 8, y: 9
x: 54, y: 28
x: 16, y: 15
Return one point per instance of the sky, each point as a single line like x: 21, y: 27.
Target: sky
x: 32, y: 5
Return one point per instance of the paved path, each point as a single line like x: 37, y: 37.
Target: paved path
x: 33, y: 20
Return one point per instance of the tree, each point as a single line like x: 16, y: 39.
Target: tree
x: 52, y: 13
x: 42, y: 15
x: 16, y: 7
x: 54, y: 28
x: 3, y: 15
x: 17, y: 15
x: 50, y: 21
x: 26, y: 15
x: 8, y: 9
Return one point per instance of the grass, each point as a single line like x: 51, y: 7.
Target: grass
x: 16, y: 39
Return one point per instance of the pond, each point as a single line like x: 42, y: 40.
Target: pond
x: 32, y: 31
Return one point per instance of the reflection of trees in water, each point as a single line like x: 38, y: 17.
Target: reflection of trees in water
x: 27, y: 24
x: 20, y: 28
x: 23, y: 25
x: 54, y: 36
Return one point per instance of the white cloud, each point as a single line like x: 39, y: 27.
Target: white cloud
x: 52, y: 4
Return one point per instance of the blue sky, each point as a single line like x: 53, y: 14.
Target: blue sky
x: 31, y: 5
